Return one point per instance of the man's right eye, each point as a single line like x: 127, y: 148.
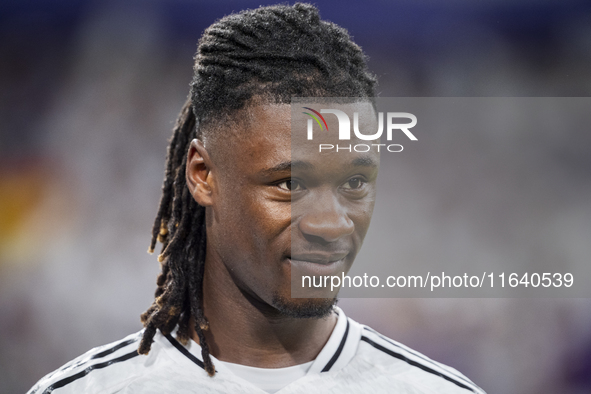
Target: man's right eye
x: 291, y: 185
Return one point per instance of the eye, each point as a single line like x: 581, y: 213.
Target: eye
x: 291, y: 185
x: 354, y: 183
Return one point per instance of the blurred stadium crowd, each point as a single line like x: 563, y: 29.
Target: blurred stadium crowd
x: 90, y: 91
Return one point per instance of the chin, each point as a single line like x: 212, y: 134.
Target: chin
x: 303, y: 308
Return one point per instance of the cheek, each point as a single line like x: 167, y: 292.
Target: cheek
x: 231, y: 226
x: 271, y: 217
x: 361, y: 216
x: 255, y: 245
x: 253, y: 224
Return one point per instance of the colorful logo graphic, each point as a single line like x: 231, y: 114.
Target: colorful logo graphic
x: 388, y: 124
x: 315, y: 118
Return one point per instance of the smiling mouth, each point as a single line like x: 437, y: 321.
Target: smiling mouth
x: 317, y: 264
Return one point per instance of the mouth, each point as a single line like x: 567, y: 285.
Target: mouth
x: 318, y: 264
x: 319, y: 258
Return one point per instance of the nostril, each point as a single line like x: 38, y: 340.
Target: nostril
x: 327, y: 227
x: 315, y: 239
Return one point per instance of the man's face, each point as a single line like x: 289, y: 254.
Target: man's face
x: 277, y: 207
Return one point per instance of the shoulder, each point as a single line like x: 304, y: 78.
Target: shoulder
x: 115, y: 362
x: 119, y: 368
x: 401, y: 363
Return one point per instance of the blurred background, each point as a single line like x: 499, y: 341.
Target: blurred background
x: 89, y: 94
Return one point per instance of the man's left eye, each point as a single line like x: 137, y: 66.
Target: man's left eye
x: 354, y: 183
x: 291, y: 185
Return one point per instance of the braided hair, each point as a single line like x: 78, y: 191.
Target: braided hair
x: 266, y: 55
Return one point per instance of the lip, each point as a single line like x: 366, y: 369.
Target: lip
x: 315, y: 266
x: 319, y: 258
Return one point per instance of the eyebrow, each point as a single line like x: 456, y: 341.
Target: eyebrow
x: 288, y: 166
x: 364, y: 161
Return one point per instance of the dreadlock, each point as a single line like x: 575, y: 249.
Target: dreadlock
x: 270, y: 54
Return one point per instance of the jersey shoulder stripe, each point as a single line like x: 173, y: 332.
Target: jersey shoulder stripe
x: 93, y: 359
x: 112, y: 348
x: 86, y: 371
x: 415, y: 359
x: 426, y: 360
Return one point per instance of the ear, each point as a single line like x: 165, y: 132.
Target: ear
x: 198, y: 174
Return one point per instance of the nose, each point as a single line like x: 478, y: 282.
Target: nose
x: 326, y: 220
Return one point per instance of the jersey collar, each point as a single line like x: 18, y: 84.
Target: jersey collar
x: 336, y: 353
x: 340, y: 347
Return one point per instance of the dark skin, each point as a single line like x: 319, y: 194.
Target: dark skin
x: 267, y: 212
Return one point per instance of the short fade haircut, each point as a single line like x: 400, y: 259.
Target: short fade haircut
x: 262, y: 56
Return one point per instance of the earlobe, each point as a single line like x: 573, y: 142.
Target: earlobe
x: 198, y: 173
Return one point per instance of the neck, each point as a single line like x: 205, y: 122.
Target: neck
x: 247, y: 331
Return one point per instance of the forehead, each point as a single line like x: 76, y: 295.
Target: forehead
x: 271, y: 134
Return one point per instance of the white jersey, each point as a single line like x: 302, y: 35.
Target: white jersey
x: 356, y: 359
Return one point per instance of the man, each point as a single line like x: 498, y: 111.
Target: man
x: 238, y: 214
